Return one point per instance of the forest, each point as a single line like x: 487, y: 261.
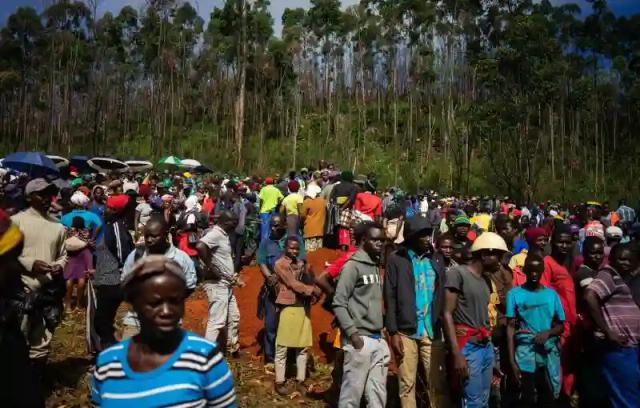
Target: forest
x: 510, y: 97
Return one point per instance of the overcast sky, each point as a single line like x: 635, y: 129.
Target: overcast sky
x: 204, y: 7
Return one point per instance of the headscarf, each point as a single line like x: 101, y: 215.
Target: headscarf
x: 79, y: 199
x: 10, y: 234
x: 191, y: 203
x: 85, y: 190
x: 117, y: 203
x: 346, y: 176
x: 293, y: 186
x: 149, y: 266
x: 532, y: 234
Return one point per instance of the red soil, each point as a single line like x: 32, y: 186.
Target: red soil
x: 247, y: 296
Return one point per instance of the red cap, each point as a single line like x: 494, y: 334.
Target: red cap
x: 268, y: 180
x: 117, y: 203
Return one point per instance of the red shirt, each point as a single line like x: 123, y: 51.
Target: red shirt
x: 368, y: 204
x: 557, y: 277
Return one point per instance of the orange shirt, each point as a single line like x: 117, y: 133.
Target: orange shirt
x: 314, y: 213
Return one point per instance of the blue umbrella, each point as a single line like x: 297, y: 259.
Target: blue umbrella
x: 33, y: 163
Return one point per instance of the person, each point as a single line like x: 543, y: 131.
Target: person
x: 344, y: 195
x: 462, y: 231
x: 617, y: 317
x: 268, y: 253
x: 111, y: 254
x: 413, y: 299
x: 314, y: 214
x: 483, y: 219
x: 91, y: 220
x: 626, y: 213
x: 367, y: 206
x: 99, y: 201
x: 44, y: 257
x: 467, y: 324
x: 163, y: 365
x: 294, y: 323
x: 557, y: 277
x: 292, y: 207
x: 314, y: 187
x: 156, y: 242
x: 357, y: 304
x: 239, y: 210
x: 270, y: 197
x: 214, y: 250
x: 79, y: 265
x: 613, y: 236
x: 445, y: 247
x: 535, y: 324
x: 17, y: 385
x: 142, y: 214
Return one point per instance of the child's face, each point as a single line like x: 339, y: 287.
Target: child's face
x: 293, y: 249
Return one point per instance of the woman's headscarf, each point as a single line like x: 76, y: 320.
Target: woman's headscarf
x: 80, y: 200
x: 191, y: 203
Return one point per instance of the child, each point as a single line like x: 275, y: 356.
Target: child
x: 294, y: 326
x: 535, y: 324
x: 78, y: 245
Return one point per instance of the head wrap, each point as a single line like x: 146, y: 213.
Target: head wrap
x: 293, y: 186
x: 117, y: 203
x: 149, y: 266
x: 10, y: 234
x: 85, y: 190
x: 532, y: 234
x: 79, y: 199
x: 191, y: 203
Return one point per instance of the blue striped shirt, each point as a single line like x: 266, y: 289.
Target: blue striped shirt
x: 196, y: 375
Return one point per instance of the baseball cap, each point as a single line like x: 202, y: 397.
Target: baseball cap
x: 39, y: 184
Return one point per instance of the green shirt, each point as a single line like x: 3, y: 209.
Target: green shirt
x: 269, y: 198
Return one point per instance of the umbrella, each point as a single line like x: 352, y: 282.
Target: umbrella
x: 80, y: 163
x: 106, y: 164
x: 170, y: 161
x: 190, y: 163
x: 202, y: 169
x: 139, y: 166
x: 33, y: 163
x: 59, y: 161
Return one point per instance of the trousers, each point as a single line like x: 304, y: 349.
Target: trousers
x: 478, y: 386
x: 223, y: 313
x: 281, y: 363
x: 108, y: 299
x: 536, y: 390
x: 265, y: 225
x: 621, y: 371
x: 270, y: 329
x: 365, y: 373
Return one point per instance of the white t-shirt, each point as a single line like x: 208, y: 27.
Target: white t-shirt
x: 221, y: 258
x: 145, y: 212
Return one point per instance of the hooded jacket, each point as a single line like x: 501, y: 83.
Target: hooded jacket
x: 400, y: 287
x: 357, y: 302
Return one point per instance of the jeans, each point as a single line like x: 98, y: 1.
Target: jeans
x: 281, y: 363
x: 265, y: 225
x: 270, y: 329
x: 622, y: 375
x: 478, y: 386
x: 237, y: 246
x: 223, y: 312
x: 108, y: 299
x: 365, y: 373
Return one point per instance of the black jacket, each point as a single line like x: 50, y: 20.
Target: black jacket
x: 400, y: 293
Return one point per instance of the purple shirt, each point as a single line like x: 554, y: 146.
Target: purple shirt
x: 620, y: 312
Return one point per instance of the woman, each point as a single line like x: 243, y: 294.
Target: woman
x: 292, y: 208
x: 344, y: 195
x: 294, y: 327
x: 163, y: 365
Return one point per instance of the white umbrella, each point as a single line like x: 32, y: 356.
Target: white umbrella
x: 138, y: 166
x: 107, y: 164
x: 190, y: 164
x: 59, y: 161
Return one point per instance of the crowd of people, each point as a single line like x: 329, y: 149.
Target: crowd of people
x: 473, y: 301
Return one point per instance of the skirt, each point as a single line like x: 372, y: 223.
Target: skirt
x: 294, y: 328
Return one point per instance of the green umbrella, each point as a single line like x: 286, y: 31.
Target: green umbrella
x: 170, y: 161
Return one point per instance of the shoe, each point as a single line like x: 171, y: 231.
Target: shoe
x: 270, y: 368
x: 301, y: 387
x: 282, y: 389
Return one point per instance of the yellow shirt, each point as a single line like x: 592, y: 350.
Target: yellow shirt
x: 290, y: 203
x: 269, y: 197
x: 483, y: 221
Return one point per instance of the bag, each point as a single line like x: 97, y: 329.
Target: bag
x: 74, y: 244
x: 332, y: 218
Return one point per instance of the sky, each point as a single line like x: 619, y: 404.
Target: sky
x: 204, y: 7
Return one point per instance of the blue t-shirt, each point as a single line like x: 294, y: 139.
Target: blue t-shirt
x: 91, y: 220
x: 534, y: 310
x: 195, y: 375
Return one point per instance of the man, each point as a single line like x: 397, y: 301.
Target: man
x: 269, y: 251
x: 239, y: 209
x: 461, y: 231
x: 414, y: 297
x: 468, y: 321
x: 43, y: 257
x: 156, y: 242
x: 214, y: 250
x: 535, y: 324
x: 626, y: 213
x: 269, y: 197
x: 613, y: 236
x: 617, y: 316
x: 17, y: 385
x: 357, y: 305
